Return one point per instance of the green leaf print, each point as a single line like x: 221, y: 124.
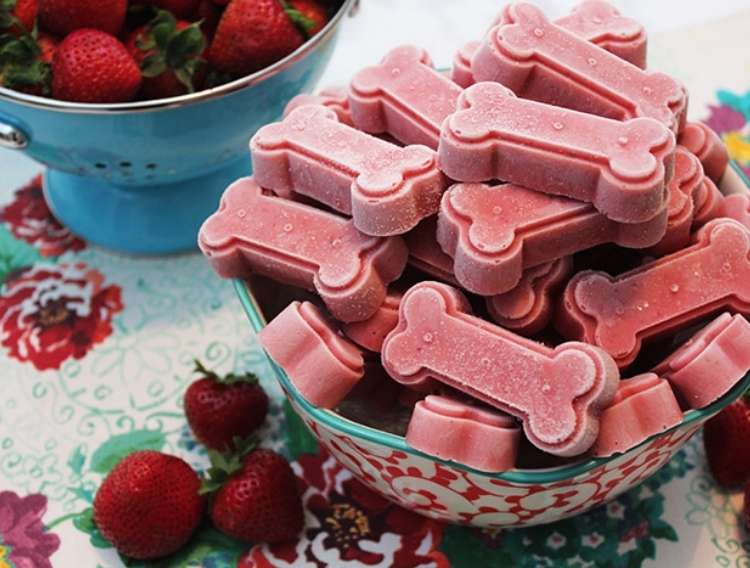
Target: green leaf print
x: 117, y: 447
x: 14, y: 254
x: 76, y: 460
x: 85, y: 523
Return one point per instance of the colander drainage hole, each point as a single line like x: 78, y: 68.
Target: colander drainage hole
x: 151, y: 166
x: 100, y: 166
x: 126, y: 165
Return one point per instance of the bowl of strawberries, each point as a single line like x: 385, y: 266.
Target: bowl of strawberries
x: 141, y: 109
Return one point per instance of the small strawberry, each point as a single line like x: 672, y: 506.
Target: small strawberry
x: 727, y: 439
x: 309, y: 15
x: 90, y: 66
x: 168, y: 52
x: 220, y: 409
x: 149, y: 505
x: 256, y: 496
x: 252, y: 34
x: 180, y: 8
x: 25, y: 62
x: 18, y: 16
x: 64, y: 16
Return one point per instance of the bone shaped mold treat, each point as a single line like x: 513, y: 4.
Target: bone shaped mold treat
x: 322, y: 365
x: 708, y: 365
x: 737, y: 207
x: 708, y: 203
x: 493, y: 233
x: 334, y: 98
x: 481, y: 438
x: 620, y: 167
x: 540, y: 60
x: 385, y: 188
x: 702, y: 141
x: 303, y: 246
x: 371, y: 332
x: 618, y: 314
x: 643, y: 406
x: 425, y: 253
x: 403, y: 96
x: 557, y: 393
x: 461, y: 70
x: 527, y: 308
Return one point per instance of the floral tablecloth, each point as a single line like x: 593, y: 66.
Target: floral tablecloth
x: 96, y: 351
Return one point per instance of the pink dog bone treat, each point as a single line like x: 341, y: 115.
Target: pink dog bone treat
x: 527, y: 308
x: 493, y: 233
x: 620, y: 167
x: 708, y: 202
x: 737, y: 207
x: 404, y: 96
x: 323, y: 365
x: 371, y: 332
x: 451, y: 430
x: 661, y: 296
x: 711, y: 362
x: 687, y: 177
x: 461, y: 71
x: 702, y: 141
x: 387, y: 189
x: 334, y: 98
x: 302, y: 246
x: 539, y: 60
x: 558, y: 393
x: 425, y: 253
x: 643, y: 406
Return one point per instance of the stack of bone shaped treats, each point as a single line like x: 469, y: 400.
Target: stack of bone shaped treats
x: 550, y: 182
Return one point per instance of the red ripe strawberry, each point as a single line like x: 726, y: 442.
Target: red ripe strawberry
x: 180, y: 8
x: 168, y: 52
x: 221, y: 2
x: 18, y: 15
x: 221, y: 409
x: 727, y: 441
x: 258, y: 499
x: 48, y: 47
x: 64, y: 16
x: 252, y: 34
x: 149, y: 505
x: 90, y: 66
x: 309, y: 15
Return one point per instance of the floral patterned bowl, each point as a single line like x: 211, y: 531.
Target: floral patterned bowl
x: 452, y: 492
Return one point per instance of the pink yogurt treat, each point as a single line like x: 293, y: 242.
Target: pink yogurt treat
x: 527, y: 308
x: 496, y: 232
x: 486, y: 440
x: 403, y: 96
x: 708, y: 202
x: 371, y: 332
x: 706, y: 367
x: 387, y: 189
x: 540, y: 60
x: 737, y: 207
x: 334, y: 98
x: 303, y: 246
x: 702, y: 141
x: 687, y: 177
x: 461, y: 70
x: 557, y: 393
x: 425, y: 253
x: 662, y: 296
x: 323, y: 365
x: 643, y: 407
x: 620, y: 167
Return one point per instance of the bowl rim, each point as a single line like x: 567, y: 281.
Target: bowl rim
x: 54, y: 105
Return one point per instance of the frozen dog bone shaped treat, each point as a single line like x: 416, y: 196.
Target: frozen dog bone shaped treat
x: 493, y: 233
x: 643, y: 406
x: 617, y: 314
x: 539, y: 60
x: 461, y: 71
x: 737, y: 207
x: 620, y: 167
x: 527, y: 308
x: 371, y: 332
x: 333, y: 98
x: 403, y: 96
x: 558, y: 393
x: 702, y: 141
x: 323, y: 365
x: 706, y: 367
x: 302, y: 246
x: 451, y: 430
x: 425, y: 253
x: 387, y: 189
x: 708, y: 203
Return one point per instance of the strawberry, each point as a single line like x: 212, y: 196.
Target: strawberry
x: 180, y: 8
x: 209, y: 15
x: 149, y: 505
x: 256, y: 497
x: 220, y: 409
x: 25, y: 62
x: 252, y: 34
x: 168, y: 52
x: 727, y: 441
x: 64, y: 16
x: 90, y: 66
x: 309, y: 15
x: 18, y: 15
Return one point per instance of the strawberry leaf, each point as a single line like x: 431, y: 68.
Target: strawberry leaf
x: 303, y: 23
x: 184, y: 46
x: 226, y: 464
x: 153, y: 66
x: 230, y: 379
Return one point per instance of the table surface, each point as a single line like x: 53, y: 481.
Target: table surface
x: 96, y: 350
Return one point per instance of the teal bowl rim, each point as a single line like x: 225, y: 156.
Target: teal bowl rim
x: 527, y: 477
